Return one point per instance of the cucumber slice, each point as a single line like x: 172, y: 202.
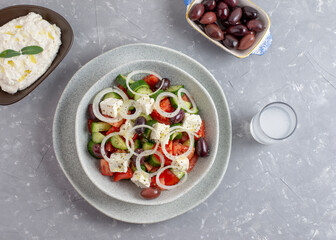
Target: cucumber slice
x: 97, y: 137
x: 178, y: 173
x: 176, y: 136
x: 142, y: 90
x: 135, y: 86
x: 148, y: 132
x: 156, y: 94
x: 148, y: 117
x: 118, y: 142
x: 100, y: 127
x: 154, y: 161
x: 90, y: 148
x: 151, y: 122
x: 174, y: 104
x: 122, y: 80
x: 147, y: 146
x: 111, y: 95
x: 174, y: 89
x: 187, y: 143
x: 137, y: 144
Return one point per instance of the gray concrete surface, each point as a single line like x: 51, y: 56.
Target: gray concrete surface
x: 283, y: 191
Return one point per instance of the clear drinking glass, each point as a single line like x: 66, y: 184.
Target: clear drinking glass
x: 274, y: 123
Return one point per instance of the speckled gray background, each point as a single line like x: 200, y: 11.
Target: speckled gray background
x: 284, y: 191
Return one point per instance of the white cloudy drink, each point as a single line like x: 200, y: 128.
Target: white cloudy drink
x: 276, y: 122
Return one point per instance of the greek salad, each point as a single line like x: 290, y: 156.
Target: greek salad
x: 148, y: 131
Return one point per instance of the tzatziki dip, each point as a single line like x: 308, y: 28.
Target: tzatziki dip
x: 19, y: 72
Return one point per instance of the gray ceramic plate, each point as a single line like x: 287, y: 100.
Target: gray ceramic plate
x: 125, y: 190
x: 64, y: 134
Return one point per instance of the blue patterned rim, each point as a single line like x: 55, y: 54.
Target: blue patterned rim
x: 187, y: 2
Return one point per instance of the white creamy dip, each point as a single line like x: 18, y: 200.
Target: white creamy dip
x: 18, y: 73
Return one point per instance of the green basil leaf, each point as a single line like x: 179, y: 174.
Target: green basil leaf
x: 9, y: 53
x: 31, y: 50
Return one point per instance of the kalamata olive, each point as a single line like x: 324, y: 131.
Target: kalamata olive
x: 213, y: 31
x: 246, y: 42
x: 178, y: 118
x: 235, y: 16
x: 225, y: 24
x: 238, y: 30
x: 243, y: 20
x: 150, y: 193
x: 91, y: 114
x: 165, y: 86
x: 140, y: 121
x: 209, y: 5
x: 223, y: 10
x: 196, y: 12
x: 255, y: 25
x: 96, y: 150
x: 202, y: 148
x: 208, y: 17
x: 231, y: 3
x: 250, y: 13
x: 134, y: 157
x: 230, y: 41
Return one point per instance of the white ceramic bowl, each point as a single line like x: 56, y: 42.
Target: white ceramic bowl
x: 263, y: 39
x: 125, y: 190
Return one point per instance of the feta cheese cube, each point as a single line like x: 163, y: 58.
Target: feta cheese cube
x: 111, y: 106
x: 119, y: 162
x: 161, y: 131
x: 146, y: 104
x: 141, y: 179
x: 192, y: 122
x: 126, y: 127
x: 182, y: 163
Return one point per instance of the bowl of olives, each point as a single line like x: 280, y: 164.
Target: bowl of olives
x: 237, y: 26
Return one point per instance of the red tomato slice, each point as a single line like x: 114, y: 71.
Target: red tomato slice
x: 156, y: 116
x: 127, y: 175
x: 112, y: 130
x: 166, y: 106
x: 154, y: 184
x: 118, y: 124
x: 105, y: 168
x: 179, y: 149
x: 151, y: 80
x: 185, y: 137
x: 169, y: 178
x: 90, y: 125
x: 135, y: 137
x: 192, y: 162
x: 109, y: 148
x: 201, y: 132
x: 169, y: 148
x: 185, y: 98
x: 148, y: 166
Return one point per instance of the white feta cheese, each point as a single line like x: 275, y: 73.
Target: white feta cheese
x: 146, y: 104
x: 192, y: 122
x: 161, y: 131
x: 141, y: 179
x: 182, y: 163
x: 111, y: 106
x: 126, y: 127
x: 119, y: 162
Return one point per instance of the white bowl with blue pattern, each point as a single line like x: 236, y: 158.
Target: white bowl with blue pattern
x: 263, y: 39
